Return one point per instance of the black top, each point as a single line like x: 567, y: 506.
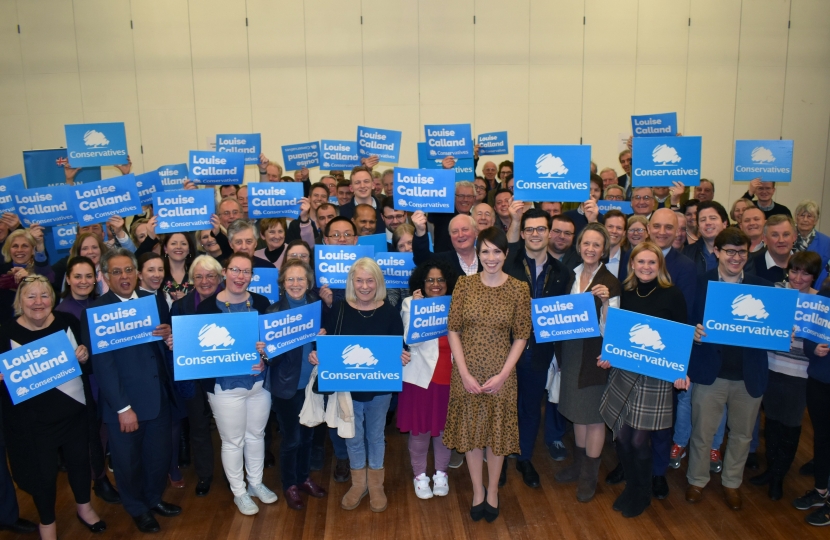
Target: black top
x: 384, y: 321
x: 649, y: 299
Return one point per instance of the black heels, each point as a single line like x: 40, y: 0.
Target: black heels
x: 490, y: 513
x: 477, y: 512
x: 99, y: 527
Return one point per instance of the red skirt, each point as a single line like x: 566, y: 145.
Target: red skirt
x: 423, y: 410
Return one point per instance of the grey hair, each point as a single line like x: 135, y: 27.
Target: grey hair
x: 238, y: 226
x: 808, y: 206
x: 113, y: 253
x: 465, y: 184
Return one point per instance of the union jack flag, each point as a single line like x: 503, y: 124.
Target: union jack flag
x: 61, y: 162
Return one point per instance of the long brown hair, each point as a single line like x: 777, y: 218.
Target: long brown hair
x: 663, y: 278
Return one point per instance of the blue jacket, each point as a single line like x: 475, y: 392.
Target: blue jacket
x: 821, y: 245
x: 819, y: 368
x: 706, y: 358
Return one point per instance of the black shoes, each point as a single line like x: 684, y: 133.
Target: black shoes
x: 146, y: 523
x: 477, y: 511
x: 166, y: 509
x: 342, y: 471
x: 490, y: 513
x: 203, y: 487
x: 617, y: 476
x: 529, y: 474
x: 776, y: 488
x: 503, y: 475
x: 99, y: 527
x: 659, y: 487
x: 105, y: 490
x: 21, y: 526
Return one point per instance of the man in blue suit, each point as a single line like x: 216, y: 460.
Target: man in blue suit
x: 136, y: 398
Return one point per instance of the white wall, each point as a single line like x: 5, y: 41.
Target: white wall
x: 308, y: 69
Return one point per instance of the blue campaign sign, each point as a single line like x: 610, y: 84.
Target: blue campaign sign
x: 286, y: 330
x: 64, y: 236
x: 216, y: 168
x: 96, y: 203
x: 464, y: 168
x: 46, y: 206
x: 383, y: 143
x: 454, y: 140
x: 660, y: 161
x: 173, y: 176
x: 334, y: 262
x: 654, y: 125
x: 812, y: 318
x: 215, y: 345
x: 93, y: 145
x: 34, y: 368
x: 9, y: 185
x: 429, y: 190
x: 123, y: 324
x: 333, y: 200
x: 264, y: 282
x: 493, y: 144
x: 248, y: 145
x: 274, y: 199
x: 749, y: 315
x: 647, y: 345
x: 396, y: 268
x: 771, y: 161
x: 339, y: 154
x: 297, y: 156
x: 377, y: 241
x: 183, y: 210
x: 148, y: 184
x: 46, y: 168
x: 558, y: 318
x: 428, y: 318
x: 552, y: 173
x: 359, y: 363
x: 622, y: 206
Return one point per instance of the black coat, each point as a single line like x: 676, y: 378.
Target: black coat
x: 284, y: 372
x: 421, y: 254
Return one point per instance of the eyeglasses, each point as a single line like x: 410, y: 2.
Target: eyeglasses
x: 341, y: 235
x: 645, y: 198
x: 118, y: 272
x: 480, y: 188
x: 303, y: 256
x: 637, y: 231
x: 32, y: 279
x: 566, y: 234
x: 433, y: 280
x: 227, y: 213
x: 538, y: 230
x: 205, y: 277
x: 236, y: 271
x: 293, y: 280
x: 741, y: 253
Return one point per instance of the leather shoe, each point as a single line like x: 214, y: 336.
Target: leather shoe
x: 293, y: 499
x: 617, y: 476
x: 477, y: 511
x: 165, y: 509
x: 105, y: 491
x: 503, y: 475
x: 310, y: 487
x: 203, y: 487
x: 776, y: 488
x: 21, y: 526
x: 529, y: 474
x: 761, y: 479
x: 146, y: 523
x: 342, y: 471
x: 733, y: 498
x: 659, y: 487
x: 97, y: 527
x: 694, y: 494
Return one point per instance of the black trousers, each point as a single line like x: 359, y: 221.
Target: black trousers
x: 9, y: 511
x: 201, y: 445
x: 818, y: 405
x: 295, y: 447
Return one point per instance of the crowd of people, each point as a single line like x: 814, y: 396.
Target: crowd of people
x: 476, y: 394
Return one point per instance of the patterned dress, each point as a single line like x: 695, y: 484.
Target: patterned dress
x: 487, y: 318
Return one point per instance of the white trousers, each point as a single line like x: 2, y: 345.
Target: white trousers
x: 241, y: 416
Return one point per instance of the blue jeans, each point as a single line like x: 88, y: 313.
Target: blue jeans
x: 683, y: 422
x: 369, y: 422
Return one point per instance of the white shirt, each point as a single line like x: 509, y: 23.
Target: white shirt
x: 769, y: 261
x: 469, y: 270
x: 133, y: 297
x: 613, y: 265
x: 612, y: 302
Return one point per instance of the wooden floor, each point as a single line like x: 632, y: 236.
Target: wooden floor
x: 550, y: 511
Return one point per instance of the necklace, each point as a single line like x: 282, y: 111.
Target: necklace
x: 637, y: 290
x: 366, y: 316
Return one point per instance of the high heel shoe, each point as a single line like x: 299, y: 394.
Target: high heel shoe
x: 99, y: 527
x: 490, y: 513
x: 477, y: 511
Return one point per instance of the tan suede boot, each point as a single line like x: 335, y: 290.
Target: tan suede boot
x: 352, y: 498
x: 377, y: 497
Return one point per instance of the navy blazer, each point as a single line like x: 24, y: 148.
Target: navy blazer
x: 421, y: 254
x: 682, y: 272
x: 706, y: 359
x: 347, y: 210
x: 130, y: 376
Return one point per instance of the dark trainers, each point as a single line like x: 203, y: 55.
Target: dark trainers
x: 557, y: 451
x: 820, y: 517
x: 810, y: 499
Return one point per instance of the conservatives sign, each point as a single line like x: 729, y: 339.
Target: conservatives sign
x: 216, y: 168
x: 647, y: 345
x: 749, y: 315
x: 339, y: 154
x: 334, y: 262
x: 359, y: 363
x: 9, y: 185
x: 383, y: 143
x: 34, y: 368
x: 771, y: 161
x: 247, y: 145
x: 274, y: 199
x: 492, y: 144
x: 660, y: 161
x: 264, y: 282
x: 812, y: 318
x: 148, y: 184
x: 454, y: 140
x: 173, y: 176
x: 464, y: 168
x: 91, y: 145
x: 396, y: 267
x: 289, y: 329
x: 299, y: 156
x: 552, y: 173
x: 654, y: 125
x: 216, y: 345
x: 123, y: 324
x: 45, y: 206
x: 564, y: 317
x: 64, y: 236
x: 184, y: 210
x: 428, y: 318
x: 99, y: 201
x: 428, y: 190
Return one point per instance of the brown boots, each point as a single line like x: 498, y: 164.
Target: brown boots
x: 377, y: 497
x: 358, y: 490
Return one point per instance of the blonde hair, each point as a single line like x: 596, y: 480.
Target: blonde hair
x: 368, y: 265
x: 7, y: 246
x: 663, y: 278
x: 24, y: 285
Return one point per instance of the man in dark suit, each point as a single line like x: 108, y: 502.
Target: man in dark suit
x: 770, y: 263
x: 392, y: 219
x: 529, y: 261
x: 562, y: 239
x: 462, y: 234
x: 724, y: 375
x: 361, y: 185
x: 136, y: 399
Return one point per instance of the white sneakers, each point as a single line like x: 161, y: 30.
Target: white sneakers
x: 262, y: 493
x: 246, y: 505
x: 441, y: 486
